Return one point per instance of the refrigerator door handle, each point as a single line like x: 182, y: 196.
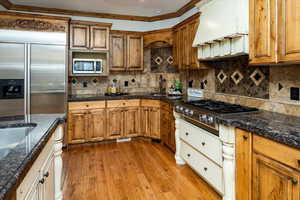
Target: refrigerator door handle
x: 27, y: 81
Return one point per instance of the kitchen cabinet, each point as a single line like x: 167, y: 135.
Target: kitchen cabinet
x: 127, y: 52
x: 274, y: 31
x: 150, y: 118
x: 272, y: 180
x: 86, y: 35
x: 168, y: 128
x: 145, y: 129
x: 86, y: 122
x: 132, y: 122
x: 263, y: 169
x: 185, y: 55
x: 115, y: 119
x: 154, y: 123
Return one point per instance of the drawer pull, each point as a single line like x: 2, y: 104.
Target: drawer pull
x: 189, y: 155
x: 87, y: 105
x: 203, y: 143
x: 42, y: 181
x: 46, y: 174
x: 294, y: 181
x: 186, y: 134
x: 205, y: 168
x: 245, y: 137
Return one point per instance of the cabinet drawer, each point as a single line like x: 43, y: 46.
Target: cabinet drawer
x: 210, y: 171
x: 279, y: 152
x: 201, y: 140
x: 150, y: 103
x: 123, y: 103
x: 86, y: 105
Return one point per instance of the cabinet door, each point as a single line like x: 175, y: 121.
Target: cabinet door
x: 271, y: 180
x: 175, y: 47
x: 47, y: 184
x: 185, y: 39
x: 262, y: 32
x: 193, y: 26
x: 115, y: 119
x: 145, y: 129
x: 117, y: 52
x: 97, y: 125
x: 165, y: 128
x: 132, y: 122
x: 80, y: 38
x: 34, y: 193
x: 99, y: 38
x: 288, y: 30
x: 77, y: 122
x: 135, y: 50
x: 172, y: 140
x: 154, y: 122
x: 243, y: 165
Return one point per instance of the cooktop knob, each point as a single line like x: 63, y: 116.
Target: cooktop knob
x: 181, y: 109
x: 204, y: 118
x: 187, y: 111
x: 177, y: 107
x: 191, y: 113
x: 210, y: 120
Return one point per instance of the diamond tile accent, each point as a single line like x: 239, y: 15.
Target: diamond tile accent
x: 222, y: 76
x: 237, y: 76
x: 170, y: 60
x: 257, y: 77
x: 158, y: 60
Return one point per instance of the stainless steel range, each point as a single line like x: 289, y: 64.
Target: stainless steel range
x: 206, y: 146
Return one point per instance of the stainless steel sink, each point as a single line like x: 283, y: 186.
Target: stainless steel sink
x: 158, y: 95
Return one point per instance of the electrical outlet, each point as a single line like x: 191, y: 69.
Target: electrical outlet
x: 295, y: 93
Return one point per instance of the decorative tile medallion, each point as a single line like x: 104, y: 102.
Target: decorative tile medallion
x: 170, y: 60
x: 158, y: 60
x: 257, y: 77
x: 222, y: 76
x: 237, y: 76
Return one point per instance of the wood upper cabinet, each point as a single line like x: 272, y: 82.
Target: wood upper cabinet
x: 80, y: 36
x: 127, y: 52
x: 99, y: 38
x: 272, y: 180
x: 78, y: 123
x: 89, y: 36
x: 132, y: 122
x: 115, y: 123
x: 288, y: 30
x: 135, y: 52
x: 118, y: 52
x: 193, y: 27
x: 274, y: 31
x: 97, y: 125
x: 243, y: 165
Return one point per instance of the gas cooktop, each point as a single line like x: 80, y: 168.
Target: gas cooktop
x: 220, y: 107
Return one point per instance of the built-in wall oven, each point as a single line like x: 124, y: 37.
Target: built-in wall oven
x: 87, y: 66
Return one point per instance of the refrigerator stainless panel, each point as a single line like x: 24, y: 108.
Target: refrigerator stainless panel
x: 12, y: 66
x: 47, y: 79
x: 49, y: 38
x: 12, y: 61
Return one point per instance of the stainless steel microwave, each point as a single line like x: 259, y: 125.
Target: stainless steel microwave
x: 87, y: 66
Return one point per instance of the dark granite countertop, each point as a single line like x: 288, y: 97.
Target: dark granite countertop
x: 19, y: 146
x: 281, y: 128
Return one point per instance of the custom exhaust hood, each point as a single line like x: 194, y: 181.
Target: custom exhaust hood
x: 223, y: 29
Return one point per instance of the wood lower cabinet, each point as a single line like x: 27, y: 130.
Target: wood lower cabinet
x: 145, y: 129
x: 97, y: 125
x: 132, y: 122
x: 272, y: 180
x: 167, y: 128
x: 115, y: 121
x: 150, y: 122
x: 78, y: 126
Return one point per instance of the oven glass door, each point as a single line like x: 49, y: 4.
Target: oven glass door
x: 85, y: 67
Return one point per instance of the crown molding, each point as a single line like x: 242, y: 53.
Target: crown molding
x: 16, y: 7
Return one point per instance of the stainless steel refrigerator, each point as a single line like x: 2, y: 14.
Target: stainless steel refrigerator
x: 32, y: 72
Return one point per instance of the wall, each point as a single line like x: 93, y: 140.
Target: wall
x: 272, y: 93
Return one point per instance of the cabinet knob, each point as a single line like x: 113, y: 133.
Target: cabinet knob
x: 245, y: 137
x: 294, y: 181
x: 205, y: 168
x: 186, y: 134
x: 203, y: 143
x: 42, y: 181
x: 46, y: 174
x: 189, y: 155
x: 87, y: 105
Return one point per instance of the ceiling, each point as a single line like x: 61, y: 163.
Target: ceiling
x: 143, y: 8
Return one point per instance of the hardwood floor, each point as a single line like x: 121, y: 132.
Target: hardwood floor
x: 137, y: 170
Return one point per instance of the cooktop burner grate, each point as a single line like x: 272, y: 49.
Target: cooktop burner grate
x: 220, y: 107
